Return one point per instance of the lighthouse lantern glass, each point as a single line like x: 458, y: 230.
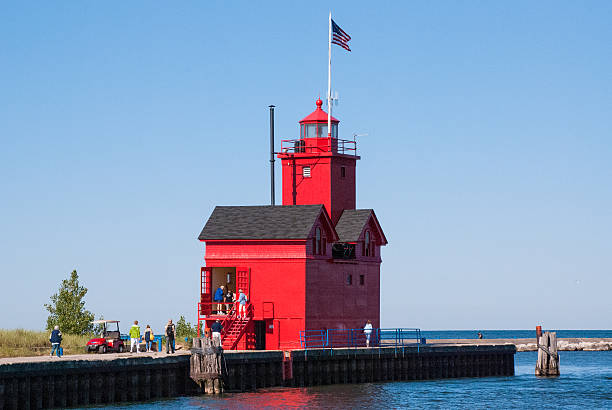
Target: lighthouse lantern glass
x: 317, y: 131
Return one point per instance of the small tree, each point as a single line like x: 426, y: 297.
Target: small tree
x: 67, y: 308
x: 185, y: 329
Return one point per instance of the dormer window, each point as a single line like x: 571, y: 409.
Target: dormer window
x: 319, y: 243
x: 369, y: 245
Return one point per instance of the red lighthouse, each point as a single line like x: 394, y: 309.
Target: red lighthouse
x: 312, y: 263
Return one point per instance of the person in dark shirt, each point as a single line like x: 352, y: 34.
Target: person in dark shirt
x: 216, y: 328
x: 228, y: 298
x: 170, y: 332
x: 56, y: 339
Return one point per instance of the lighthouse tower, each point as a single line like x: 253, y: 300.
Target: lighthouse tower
x: 319, y: 168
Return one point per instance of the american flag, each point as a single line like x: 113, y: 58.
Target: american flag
x: 340, y: 37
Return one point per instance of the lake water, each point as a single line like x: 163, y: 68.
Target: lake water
x: 585, y: 382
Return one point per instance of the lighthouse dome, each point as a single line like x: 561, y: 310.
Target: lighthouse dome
x: 315, y: 124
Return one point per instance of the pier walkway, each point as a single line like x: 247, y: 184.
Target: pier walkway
x: 99, y: 379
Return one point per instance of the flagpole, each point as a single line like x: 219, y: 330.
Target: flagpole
x: 329, y: 102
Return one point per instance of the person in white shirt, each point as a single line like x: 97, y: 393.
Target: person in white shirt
x: 367, y: 330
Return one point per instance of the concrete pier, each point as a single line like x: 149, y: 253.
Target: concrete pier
x: 72, y: 381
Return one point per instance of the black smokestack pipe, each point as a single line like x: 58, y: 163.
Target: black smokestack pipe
x: 272, y: 155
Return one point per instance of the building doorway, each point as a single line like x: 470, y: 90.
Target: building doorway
x: 260, y: 335
x: 225, y: 277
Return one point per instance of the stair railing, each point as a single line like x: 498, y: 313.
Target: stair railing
x: 243, y: 325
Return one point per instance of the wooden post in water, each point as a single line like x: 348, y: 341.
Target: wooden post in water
x: 205, y: 365
x: 548, y: 358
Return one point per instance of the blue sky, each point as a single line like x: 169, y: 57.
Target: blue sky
x: 487, y: 157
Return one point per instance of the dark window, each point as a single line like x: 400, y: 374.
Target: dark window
x: 343, y: 172
x: 366, y: 244
x: 317, y: 249
x: 349, y: 279
x: 343, y: 250
x: 361, y: 280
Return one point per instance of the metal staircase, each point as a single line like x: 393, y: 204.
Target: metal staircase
x: 234, y: 328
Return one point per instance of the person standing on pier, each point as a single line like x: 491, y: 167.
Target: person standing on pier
x: 148, y: 336
x: 56, y: 339
x: 170, y: 336
x: 367, y: 330
x: 134, y: 336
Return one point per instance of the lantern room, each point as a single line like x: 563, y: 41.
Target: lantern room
x: 317, y: 168
x: 315, y: 125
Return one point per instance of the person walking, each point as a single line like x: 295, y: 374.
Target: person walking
x: 56, y: 340
x: 242, y: 301
x: 134, y: 336
x: 218, y: 297
x: 170, y: 332
x: 148, y: 336
x: 367, y: 330
x: 216, y: 328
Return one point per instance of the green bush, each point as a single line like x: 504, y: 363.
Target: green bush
x: 67, y: 308
x: 184, y: 330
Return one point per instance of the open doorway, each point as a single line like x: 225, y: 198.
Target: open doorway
x: 260, y: 335
x: 225, y: 277
x: 212, y: 278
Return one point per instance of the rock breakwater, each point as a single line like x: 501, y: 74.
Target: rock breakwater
x: 564, y: 345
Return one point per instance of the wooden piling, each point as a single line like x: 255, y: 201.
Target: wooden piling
x: 205, y: 365
x: 548, y: 357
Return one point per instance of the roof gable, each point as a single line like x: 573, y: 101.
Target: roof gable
x: 352, y: 223
x: 324, y: 221
x: 262, y: 222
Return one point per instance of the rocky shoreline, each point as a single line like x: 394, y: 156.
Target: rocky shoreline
x: 529, y: 345
x: 564, y: 345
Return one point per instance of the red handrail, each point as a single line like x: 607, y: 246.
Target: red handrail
x: 249, y: 317
x: 319, y: 145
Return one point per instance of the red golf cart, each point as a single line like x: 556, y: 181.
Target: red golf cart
x: 109, y: 340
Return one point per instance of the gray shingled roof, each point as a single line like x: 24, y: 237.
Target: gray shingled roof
x: 351, y: 224
x: 261, y: 222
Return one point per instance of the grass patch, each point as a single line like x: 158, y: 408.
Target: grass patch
x: 21, y: 342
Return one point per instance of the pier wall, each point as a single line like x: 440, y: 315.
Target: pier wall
x: 74, y: 383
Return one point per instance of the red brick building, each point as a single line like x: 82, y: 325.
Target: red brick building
x: 312, y: 263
